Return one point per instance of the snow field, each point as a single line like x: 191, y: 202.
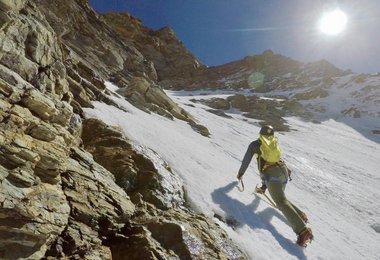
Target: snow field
x: 335, y: 178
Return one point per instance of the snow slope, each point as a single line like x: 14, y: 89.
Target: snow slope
x: 335, y: 179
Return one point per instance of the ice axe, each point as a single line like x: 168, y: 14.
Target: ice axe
x: 241, y: 186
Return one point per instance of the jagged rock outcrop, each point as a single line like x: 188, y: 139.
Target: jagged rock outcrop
x: 59, y: 195
x: 135, y: 173
x: 100, y: 47
x: 97, y: 204
x: 170, y: 58
x: 149, y: 96
x: 162, y: 227
x: 91, y: 41
x: 37, y: 130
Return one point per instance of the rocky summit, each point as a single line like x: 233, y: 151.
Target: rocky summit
x: 74, y: 187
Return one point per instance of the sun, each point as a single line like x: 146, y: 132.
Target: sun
x: 333, y: 22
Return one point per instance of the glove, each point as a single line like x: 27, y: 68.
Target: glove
x: 262, y: 189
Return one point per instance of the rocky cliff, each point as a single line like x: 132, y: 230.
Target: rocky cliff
x: 170, y: 58
x: 73, y: 187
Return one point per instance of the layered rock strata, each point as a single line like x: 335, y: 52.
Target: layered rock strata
x: 59, y: 195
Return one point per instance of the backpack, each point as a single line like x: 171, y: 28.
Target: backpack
x: 270, y: 151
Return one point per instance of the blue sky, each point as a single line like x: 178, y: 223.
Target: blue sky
x: 220, y: 31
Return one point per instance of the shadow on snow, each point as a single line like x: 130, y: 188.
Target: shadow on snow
x: 248, y: 215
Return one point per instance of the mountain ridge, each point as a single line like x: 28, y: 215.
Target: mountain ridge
x: 74, y: 187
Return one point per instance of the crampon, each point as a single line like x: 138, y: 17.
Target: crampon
x: 305, y: 237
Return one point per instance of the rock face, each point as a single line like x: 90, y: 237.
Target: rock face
x: 315, y: 91
x: 149, y: 96
x: 37, y: 131
x: 60, y: 197
x: 119, y: 48
x: 72, y: 187
x: 92, y: 41
x: 267, y: 111
x: 161, y: 227
x: 170, y: 58
x: 136, y: 174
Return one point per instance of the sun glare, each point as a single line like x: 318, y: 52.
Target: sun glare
x: 333, y: 22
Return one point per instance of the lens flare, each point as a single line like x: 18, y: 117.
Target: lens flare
x: 333, y: 22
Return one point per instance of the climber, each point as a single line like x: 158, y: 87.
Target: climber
x: 275, y: 175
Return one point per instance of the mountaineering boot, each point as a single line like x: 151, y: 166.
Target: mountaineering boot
x: 304, y: 237
x: 261, y: 190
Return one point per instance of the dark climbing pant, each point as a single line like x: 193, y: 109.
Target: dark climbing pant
x: 276, y: 178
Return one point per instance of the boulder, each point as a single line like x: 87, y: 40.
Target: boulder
x: 219, y: 103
